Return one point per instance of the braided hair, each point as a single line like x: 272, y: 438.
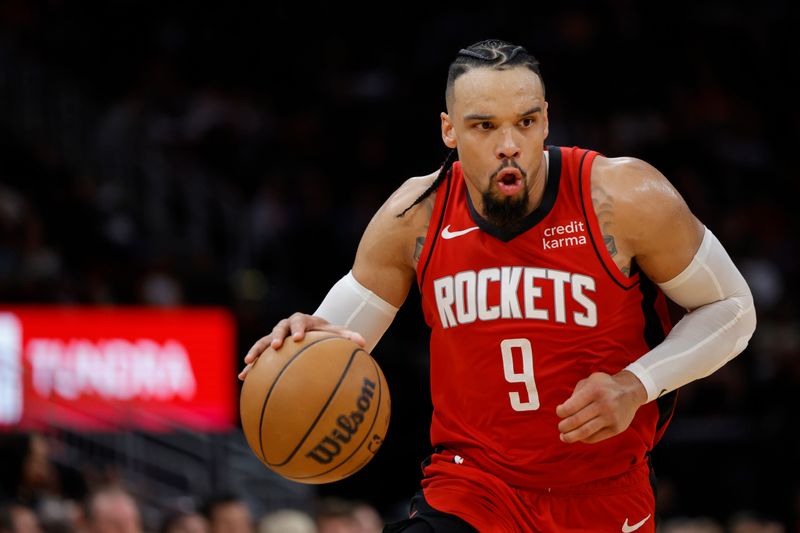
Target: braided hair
x: 494, y: 54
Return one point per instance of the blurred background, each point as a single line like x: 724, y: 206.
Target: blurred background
x: 221, y: 157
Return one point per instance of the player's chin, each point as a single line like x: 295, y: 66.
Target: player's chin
x: 503, y: 194
x: 515, y: 202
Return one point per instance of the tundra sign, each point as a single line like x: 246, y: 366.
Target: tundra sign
x: 117, y: 368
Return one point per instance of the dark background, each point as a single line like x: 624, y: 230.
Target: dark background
x: 220, y: 154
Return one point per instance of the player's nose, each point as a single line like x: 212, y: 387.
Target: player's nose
x: 507, y: 147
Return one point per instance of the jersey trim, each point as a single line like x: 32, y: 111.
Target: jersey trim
x: 594, y: 227
x: 654, y: 334
x: 534, y: 217
x: 653, y: 330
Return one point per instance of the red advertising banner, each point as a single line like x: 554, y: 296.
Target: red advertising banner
x: 116, y: 368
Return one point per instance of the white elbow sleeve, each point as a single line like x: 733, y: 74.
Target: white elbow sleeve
x: 719, y: 324
x: 357, y: 308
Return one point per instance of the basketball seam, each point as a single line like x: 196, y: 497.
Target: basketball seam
x: 360, y: 465
x: 321, y: 412
x: 269, y: 393
x: 368, y: 432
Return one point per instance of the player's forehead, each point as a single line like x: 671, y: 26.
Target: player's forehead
x: 491, y: 91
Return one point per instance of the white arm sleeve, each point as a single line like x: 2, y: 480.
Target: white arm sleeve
x: 355, y: 307
x: 719, y: 324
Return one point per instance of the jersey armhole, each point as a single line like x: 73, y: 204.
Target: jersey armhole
x: 595, y: 234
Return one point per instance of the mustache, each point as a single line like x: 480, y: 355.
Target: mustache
x: 506, y: 164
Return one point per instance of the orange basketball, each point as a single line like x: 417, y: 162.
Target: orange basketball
x: 317, y: 410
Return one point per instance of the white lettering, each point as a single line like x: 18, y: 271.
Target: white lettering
x: 574, y: 226
x: 11, y: 396
x: 146, y: 374
x: 563, y: 242
x: 114, y: 369
x: 559, y: 278
x: 44, y: 360
x: 443, y: 290
x: 509, y: 281
x: 466, y: 310
x: 79, y: 365
x: 465, y: 297
x: 484, y: 276
x: 531, y: 292
x: 179, y: 370
x: 89, y: 366
x: 580, y: 282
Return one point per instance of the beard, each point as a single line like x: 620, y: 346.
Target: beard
x: 506, y: 211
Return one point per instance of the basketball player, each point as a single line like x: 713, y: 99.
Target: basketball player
x: 543, y: 273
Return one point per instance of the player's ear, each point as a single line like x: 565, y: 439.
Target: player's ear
x: 546, y: 121
x: 448, y: 131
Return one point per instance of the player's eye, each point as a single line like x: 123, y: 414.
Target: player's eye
x: 485, y: 125
x: 527, y: 122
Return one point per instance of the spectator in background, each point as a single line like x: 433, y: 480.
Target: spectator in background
x: 286, y: 521
x: 692, y: 525
x: 18, y: 518
x: 112, y: 509
x: 368, y: 519
x: 335, y: 515
x: 227, y: 513
x: 744, y: 522
x: 29, y: 475
x: 185, y: 522
x: 25, y: 471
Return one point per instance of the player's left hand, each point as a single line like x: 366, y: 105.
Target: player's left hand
x: 600, y: 407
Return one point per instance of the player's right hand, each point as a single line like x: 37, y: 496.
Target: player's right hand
x: 296, y: 326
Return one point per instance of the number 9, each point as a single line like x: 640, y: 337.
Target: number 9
x: 507, y: 348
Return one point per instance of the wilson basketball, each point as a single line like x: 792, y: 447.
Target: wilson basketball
x: 317, y: 410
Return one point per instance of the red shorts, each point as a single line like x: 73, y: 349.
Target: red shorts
x: 624, y: 503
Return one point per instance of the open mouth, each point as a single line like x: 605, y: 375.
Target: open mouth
x: 509, y: 181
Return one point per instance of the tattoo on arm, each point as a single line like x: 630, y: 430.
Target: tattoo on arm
x: 610, y: 244
x: 420, y: 242
x: 603, y: 208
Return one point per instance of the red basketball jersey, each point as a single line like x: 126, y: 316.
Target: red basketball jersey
x: 519, y: 318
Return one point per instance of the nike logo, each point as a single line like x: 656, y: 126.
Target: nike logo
x: 447, y: 234
x: 627, y: 529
